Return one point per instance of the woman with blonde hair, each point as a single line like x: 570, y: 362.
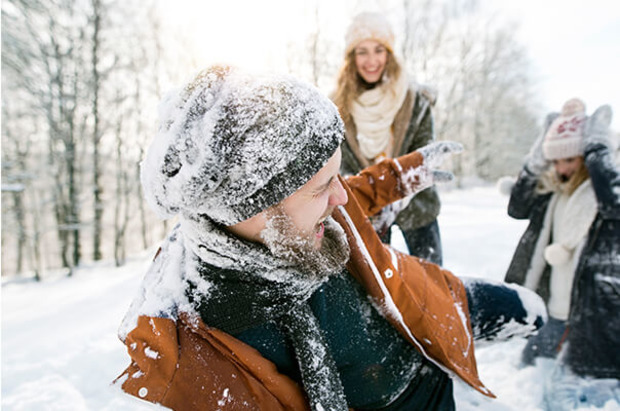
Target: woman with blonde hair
x: 386, y: 116
x: 569, y: 190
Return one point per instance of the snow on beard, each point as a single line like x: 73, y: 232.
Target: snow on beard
x: 286, y: 241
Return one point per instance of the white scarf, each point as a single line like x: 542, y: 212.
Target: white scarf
x: 577, y: 218
x: 374, y: 111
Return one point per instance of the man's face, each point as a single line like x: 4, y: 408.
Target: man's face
x: 306, y: 209
x: 288, y: 243
x: 309, y: 206
x: 566, y: 167
x: 300, y: 229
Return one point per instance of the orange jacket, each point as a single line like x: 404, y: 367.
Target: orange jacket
x: 424, y: 302
x: 186, y: 365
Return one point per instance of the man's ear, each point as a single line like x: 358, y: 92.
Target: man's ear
x: 251, y: 228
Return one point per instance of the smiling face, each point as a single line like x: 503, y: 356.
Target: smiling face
x: 307, y: 208
x: 370, y: 60
x: 566, y: 167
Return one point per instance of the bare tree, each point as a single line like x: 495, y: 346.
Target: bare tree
x: 483, y: 80
x: 20, y: 130
x: 46, y: 61
x: 96, y: 22
x: 122, y: 203
x: 13, y: 170
x: 315, y: 59
x: 73, y: 68
x: 63, y: 64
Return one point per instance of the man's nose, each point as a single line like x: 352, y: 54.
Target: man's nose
x: 338, y: 195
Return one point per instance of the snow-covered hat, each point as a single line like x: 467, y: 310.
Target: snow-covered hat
x: 369, y: 26
x: 231, y: 144
x: 564, y: 137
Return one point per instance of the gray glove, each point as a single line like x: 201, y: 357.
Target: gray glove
x: 424, y: 176
x: 596, y: 130
x: 435, y: 153
x: 535, y: 161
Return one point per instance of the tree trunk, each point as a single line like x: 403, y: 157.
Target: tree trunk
x: 18, y: 207
x: 121, y: 208
x: 97, y: 187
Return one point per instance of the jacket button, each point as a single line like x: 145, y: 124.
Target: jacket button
x: 142, y: 392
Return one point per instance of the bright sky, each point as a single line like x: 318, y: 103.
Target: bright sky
x: 574, y: 44
x: 248, y: 33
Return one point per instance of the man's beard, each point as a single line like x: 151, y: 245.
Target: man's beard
x: 289, y: 243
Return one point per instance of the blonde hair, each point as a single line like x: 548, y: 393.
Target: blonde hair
x: 350, y: 84
x: 576, y: 179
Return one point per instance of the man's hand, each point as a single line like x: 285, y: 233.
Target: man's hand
x: 435, y: 153
x: 419, y: 178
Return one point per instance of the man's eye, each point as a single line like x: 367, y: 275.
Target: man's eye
x: 325, y: 189
x: 331, y: 185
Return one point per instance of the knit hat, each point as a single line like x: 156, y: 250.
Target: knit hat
x: 367, y: 25
x: 231, y: 144
x: 564, y: 137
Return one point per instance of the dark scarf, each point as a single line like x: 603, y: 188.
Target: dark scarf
x: 236, y: 285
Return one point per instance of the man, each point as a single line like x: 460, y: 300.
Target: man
x: 248, y: 304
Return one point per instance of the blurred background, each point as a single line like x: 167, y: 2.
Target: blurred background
x: 81, y: 80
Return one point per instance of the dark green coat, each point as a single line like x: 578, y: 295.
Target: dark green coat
x: 413, y: 128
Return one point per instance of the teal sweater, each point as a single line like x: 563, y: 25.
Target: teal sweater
x: 378, y: 368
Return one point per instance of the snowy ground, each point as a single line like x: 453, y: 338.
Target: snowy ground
x: 60, y: 350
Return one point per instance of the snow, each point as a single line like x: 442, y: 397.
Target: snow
x: 225, y: 113
x: 60, y: 349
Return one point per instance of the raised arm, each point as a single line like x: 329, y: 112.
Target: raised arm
x: 600, y: 163
x: 392, y: 179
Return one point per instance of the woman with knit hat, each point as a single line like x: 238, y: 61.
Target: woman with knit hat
x: 569, y: 190
x: 386, y: 115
